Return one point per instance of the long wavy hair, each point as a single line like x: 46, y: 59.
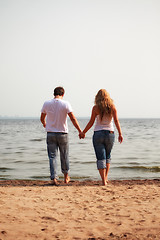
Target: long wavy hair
x: 104, y: 103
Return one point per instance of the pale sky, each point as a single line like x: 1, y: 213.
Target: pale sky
x: 82, y: 45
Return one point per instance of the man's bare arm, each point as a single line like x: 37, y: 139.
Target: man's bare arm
x: 74, y: 121
x: 42, y: 119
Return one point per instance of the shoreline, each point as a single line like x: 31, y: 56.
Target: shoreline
x: 28, y: 182
x: 80, y: 210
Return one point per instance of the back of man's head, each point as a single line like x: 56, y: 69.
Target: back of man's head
x: 59, y: 91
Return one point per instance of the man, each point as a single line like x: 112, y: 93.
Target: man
x: 54, y: 118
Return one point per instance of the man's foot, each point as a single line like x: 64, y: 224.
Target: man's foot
x: 55, y: 182
x: 67, y: 179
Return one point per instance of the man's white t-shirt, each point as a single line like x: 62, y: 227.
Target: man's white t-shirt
x: 56, y: 111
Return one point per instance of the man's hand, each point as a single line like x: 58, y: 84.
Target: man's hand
x: 81, y: 135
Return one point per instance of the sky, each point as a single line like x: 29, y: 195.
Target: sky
x: 83, y: 46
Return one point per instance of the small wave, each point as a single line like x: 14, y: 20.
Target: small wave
x: 4, y: 177
x: 134, y: 163
x: 129, y: 158
x: 39, y: 177
x: 81, y: 178
x: 143, y: 168
x: 37, y: 139
x: 80, y: 162
x: 89, y: 162
x: 18, y: 161
x: 6, y: 153
x: 3, y: 169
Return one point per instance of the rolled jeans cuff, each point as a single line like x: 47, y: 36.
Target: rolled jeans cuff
x: 101, y: 164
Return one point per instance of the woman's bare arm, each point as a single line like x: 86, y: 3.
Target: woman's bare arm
x: 117, y: 124
x: 92, y: 119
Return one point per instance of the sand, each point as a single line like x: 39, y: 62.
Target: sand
x: 80, y: 210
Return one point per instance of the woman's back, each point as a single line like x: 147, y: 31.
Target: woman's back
x: 105, y: 124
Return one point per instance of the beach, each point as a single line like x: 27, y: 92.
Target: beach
x: 128, y: 209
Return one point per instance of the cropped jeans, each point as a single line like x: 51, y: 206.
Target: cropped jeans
x: 55, y: 141
x: 103, y: 141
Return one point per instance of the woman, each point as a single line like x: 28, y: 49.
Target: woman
x: 104, y: 112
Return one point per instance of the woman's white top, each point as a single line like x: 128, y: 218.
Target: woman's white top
x: 105, y: 124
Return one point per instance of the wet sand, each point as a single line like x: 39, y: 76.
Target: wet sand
x: 128, y: 209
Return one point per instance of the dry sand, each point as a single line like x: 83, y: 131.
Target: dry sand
x: 80, y: 210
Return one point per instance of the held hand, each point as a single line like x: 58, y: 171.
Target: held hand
x: 120, y: 138
x: 81, y: 135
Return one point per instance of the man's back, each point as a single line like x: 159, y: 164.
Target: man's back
x: 56, y: 111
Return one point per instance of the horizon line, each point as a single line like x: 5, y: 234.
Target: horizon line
x: 84, y: 117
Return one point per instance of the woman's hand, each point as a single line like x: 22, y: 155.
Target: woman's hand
x: 81, y: 135
x: 120, y: 138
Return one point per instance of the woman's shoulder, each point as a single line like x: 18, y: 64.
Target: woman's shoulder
x: 95, y: 109
x: 114, y: 109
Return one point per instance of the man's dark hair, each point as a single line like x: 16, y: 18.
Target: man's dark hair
x: 59, y: 91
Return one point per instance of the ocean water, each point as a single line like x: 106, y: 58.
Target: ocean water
x: 23, y: 152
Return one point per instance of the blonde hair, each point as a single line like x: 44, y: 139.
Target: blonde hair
x: 104, y: 103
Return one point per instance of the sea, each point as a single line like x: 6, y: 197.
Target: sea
x: 23, y: 153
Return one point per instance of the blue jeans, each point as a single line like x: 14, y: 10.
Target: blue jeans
x: 103, y: 141
x: 55, y: 141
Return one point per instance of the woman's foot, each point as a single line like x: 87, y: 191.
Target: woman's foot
x: 104, y: 183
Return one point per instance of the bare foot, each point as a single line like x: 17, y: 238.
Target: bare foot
x: 67, y: 179
x: 55, y: 182
x: 104, y: 183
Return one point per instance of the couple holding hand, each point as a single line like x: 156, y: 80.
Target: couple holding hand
x: 54, y: 118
